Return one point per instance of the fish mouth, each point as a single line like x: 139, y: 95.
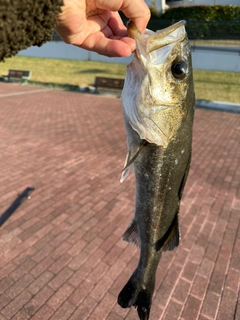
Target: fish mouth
x: 151, y: 41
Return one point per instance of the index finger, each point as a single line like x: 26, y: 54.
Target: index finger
x: 137, y: 11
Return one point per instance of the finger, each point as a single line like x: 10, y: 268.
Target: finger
x: 109, y: 47
x: 116, y: 25
x: 136, y: 10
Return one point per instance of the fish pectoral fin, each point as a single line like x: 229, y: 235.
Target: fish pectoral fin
x: 131, y: 234
x: 129, y: 160
x: 173, y: 238
x: 126, y: 169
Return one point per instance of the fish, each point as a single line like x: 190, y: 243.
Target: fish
x: 158, y: 104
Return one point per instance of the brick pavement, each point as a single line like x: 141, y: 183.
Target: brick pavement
x: 61, y: 253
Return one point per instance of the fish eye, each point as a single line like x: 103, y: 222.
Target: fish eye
x: 179, y: 70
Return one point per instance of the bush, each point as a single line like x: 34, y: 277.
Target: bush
x: 203, y: 22
x: 203, y: 13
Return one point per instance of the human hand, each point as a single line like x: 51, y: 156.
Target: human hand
x: 96, y: 25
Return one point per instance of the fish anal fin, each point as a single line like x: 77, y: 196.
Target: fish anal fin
x: 131, y: 234
x: 171, y: 238
x: 184, y: 179
x: 174, y: 236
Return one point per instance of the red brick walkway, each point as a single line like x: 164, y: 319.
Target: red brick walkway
x: 61, y: 253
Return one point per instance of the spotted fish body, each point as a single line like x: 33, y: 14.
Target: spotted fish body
x: 158, y: 108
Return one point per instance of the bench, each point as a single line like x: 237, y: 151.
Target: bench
x: 18, y: 75
x: 109, y: 83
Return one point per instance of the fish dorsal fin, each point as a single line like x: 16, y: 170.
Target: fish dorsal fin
x: 131, y: 234
x: 174, y: 236
x: 129, y: 160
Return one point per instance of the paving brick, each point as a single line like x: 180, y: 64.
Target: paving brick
x: 59, y: 247
x: 211, y: 251
x: 60, y: 296
x: 163, y: 293
x: 61, y: 262
x: 156, y: 311
x: 16, y: 304
x: 233, y: 279
x: 91, y: 247
x: 227, y: 306
x: 38, y: 300
x: 60, y: 250
x: 112, y: 255
x: 210, y: 305
x: 60, y: 238
x: 120, y: 311
x: 80, y: 292
x: 104, y: 307
x: 113, y: 316
x: 101, y: 287
x: 77, y: 261
x: 21, y: 315
x: 64, y: 311
x: 96, y: 273
x: 191, y: 308
x: 5, y: 283
x: 4, y: 300
x: 199, y: 286
x: 172, y: 274
x: 202, y: 317
x: 44, y: 313
x: 173, y: 310
x: 22, y: 269
x: 84, y: 309
x: 19, y: 285
x: 6, y: 269
x: 180, y: 256
x: 40, y: 282
x: 44, y: 252
x: 219, y: 275
x: 181, y: 290
x: 189, y: 270
x: 206, y: 267
x: 41, y: 266
x: 114, y: 271
x: 60, y: 278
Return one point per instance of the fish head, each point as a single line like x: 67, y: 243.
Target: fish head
x: 159, y: 83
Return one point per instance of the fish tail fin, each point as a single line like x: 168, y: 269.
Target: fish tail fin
x: 136, y: 294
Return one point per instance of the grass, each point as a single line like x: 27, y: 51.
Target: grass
x: 209, y: 85
x: 216, y: 85
x: 63, y: 71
